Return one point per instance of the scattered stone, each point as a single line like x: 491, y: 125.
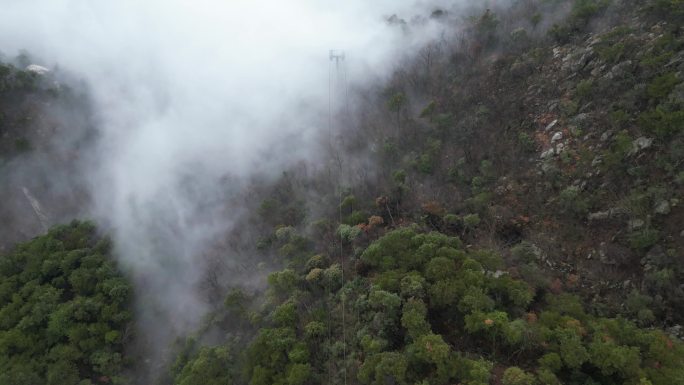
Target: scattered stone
x: 618, y: 70
x: 675, y: 331
x: 654, y: 257
x: 640, y: 143
x: 556, y: 137
x: 586, y: 106
x: 614, y: 212
x: 551, y: 125
x: 599, y: 216
x: 677, y: 95
x: 597, y: 160
x: 559, y: 148
x: 581, y: 119
x: 548, y: 153
x: 662, y: 207
x: 635, y: 224
x: 597, y: 70
x: 586, y: 58
x: 553, y: 107
x: 592, y: 41
x: 606, y: 135
x: 548, y: 167
x: 575, y: 131
x: 675, y: 60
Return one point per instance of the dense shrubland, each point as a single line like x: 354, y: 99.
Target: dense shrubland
x: 64, y: 310
x: 424, y: 308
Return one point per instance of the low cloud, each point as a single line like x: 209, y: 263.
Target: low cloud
x: 190, y: 98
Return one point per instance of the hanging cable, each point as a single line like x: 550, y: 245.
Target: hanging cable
x: 340, y: 77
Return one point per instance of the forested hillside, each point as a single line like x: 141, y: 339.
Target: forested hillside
x: 507, y: 208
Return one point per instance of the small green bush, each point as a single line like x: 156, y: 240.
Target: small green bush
x: 526, y: 142
x: 662, y: 122
x: 612, y: 53
x: 471, y: 221
x: 536, y: 19
x: 642, y: 240
x: 586, y: 9
x: 355, y: 218
x: 572, y: 201
x: 348, y: 202
x: 584, y: 88
x: 619, y: 149
x: 661, y: 86
x: 516, y: 376
x: 618, y: 117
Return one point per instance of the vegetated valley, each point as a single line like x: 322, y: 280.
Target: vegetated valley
x: 506, y: 208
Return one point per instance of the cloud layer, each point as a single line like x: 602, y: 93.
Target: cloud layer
x: 189, y: 92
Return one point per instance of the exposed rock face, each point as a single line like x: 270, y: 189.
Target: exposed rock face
x: 615, y: 212
x: 551, y: 125
x: 37, y: 69
x: 662, y: 207
x: 641, y: 143
x: 635, y: 224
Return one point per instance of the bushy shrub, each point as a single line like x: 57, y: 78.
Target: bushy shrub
x: 642, y: 240
x: 471, y: 221
x: 662, y: 85
x: 516, y: 376
x: 572, y: 201
x: 662, y: 121
x: 584, y: 89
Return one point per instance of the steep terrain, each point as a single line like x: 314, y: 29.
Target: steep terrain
x: 506, y: 209
x: 45, y: 127
x: 558, y: 150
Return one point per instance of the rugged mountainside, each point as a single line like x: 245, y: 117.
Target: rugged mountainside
x: 507, y: 209
x: 45, y: 126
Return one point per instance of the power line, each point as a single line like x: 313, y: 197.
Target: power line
x: 338, y: 57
